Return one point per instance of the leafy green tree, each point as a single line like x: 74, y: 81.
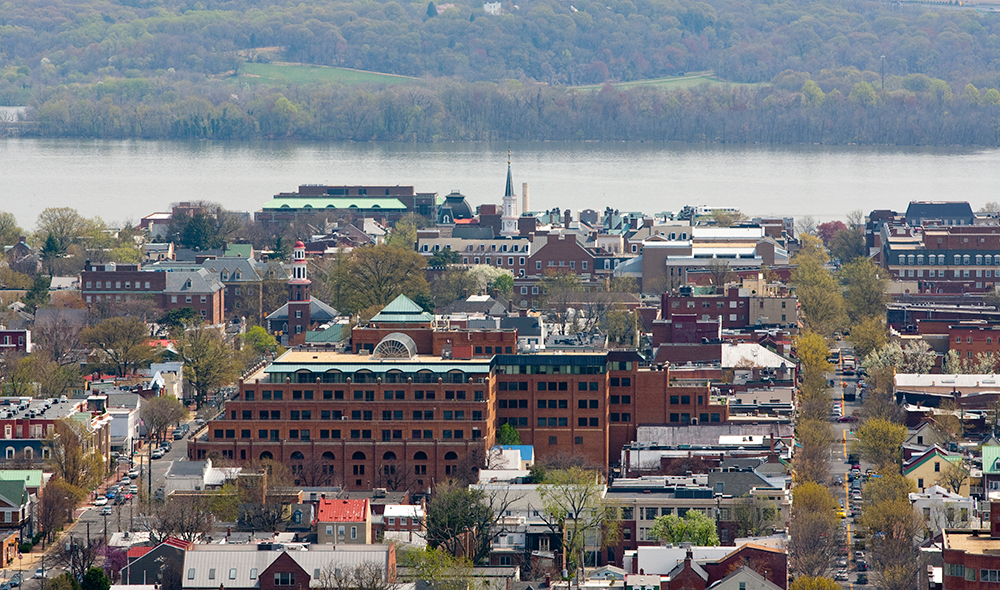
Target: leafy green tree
x: 443, y: 258
x: 178, y: 319
x: 64, y: 224
x: 694, y: 528
x: 375, y: 275
x: 123, y: 343
x: 504, y: 284
x: 879, y: 441
x: 209, y: 363
x: 38, y: 293
x: 198, y: 233
x: 50, y: 252
x: 813, y: 530
x: 9, y: 230
x: 507, y: 435
x: 73, y: 456
x: 817, y: 291
x: 437, y: 567
x: 847, y: 245
x: 864, y: 290
x: 260, y: 341
x: 95, y: 579
x: 403, y: 235
x: 869, y: 335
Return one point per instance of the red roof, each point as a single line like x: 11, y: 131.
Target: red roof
x: 343, y: 510
x: 299, y: 244
x: 137, y: 552
x: 175, y: 542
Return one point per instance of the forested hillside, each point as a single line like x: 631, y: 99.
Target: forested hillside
x: 172, y: 68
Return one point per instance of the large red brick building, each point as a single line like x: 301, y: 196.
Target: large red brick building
x: 972, y: 557
x: 397, y: 418
x: 167, y: 289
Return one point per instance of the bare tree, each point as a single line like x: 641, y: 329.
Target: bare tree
x: 720, y: 272
x: 184, y: 517
x: 368, y: 575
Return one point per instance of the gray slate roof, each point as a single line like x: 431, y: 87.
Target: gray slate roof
x: 192, y: 282
x: 318, y: 312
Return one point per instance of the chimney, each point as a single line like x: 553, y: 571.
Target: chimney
x: 647, y: 222
x: 567, y: 218
x: 548, y: 579
x: 524, y: 198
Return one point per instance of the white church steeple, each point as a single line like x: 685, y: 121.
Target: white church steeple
x: 509, y: 205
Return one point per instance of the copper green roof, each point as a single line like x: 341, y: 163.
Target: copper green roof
x: 405, y: 366
x: 32, y: 478
x: 13, y: 492
x: 402, y: 310
x: 991, y: 455
x: 333, y: 203
x: 334, y: 333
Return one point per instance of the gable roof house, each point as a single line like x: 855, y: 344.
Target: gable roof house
x: 146, y: 565
x: 344, y: 521
x: 928, y: 468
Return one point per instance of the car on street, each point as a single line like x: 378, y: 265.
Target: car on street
x: 841, y: 575
x: 5, y: 586
x: 861, y: 566
x: 133, y: 489
x: 126, y: 480
x: 16, y: 580
x: 842, y: 562
x: 862, y: 580
x: 158, y: 454
x: 111, y: 494
x: 841, y: 513
x: 107, y: 511
x: 100, y: 501
x: 134, y: 474
x: 847, y: 419
x: 39, y: 573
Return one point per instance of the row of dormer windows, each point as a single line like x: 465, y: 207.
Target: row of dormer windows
x: 957, y: 259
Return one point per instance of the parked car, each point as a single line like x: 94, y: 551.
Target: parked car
x: 133, y: 489
x: 16, y: 580
x: 841, y: 575
x: 126, y: 480
x: 40, y: 573
x: 847, y: 419
x: 158, y: 454
x: 862, y: 580
x: 107, y: 511
x: 134, y: 474
x: 100, y: 502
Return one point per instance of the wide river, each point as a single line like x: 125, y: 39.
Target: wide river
x: 125, y: 180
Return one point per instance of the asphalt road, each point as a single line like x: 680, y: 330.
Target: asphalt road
x: 839, y: 466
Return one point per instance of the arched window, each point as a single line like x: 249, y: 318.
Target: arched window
x: 451, y: 456
x: 29, y: 453
x: 358, y: 456
x: 420, y: 456
x: 297, y: 456
x: 389, y: 456
x: 266, y: 455
x: 328, y: 456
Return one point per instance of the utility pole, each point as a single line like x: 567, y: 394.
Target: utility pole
x: 882, y: 68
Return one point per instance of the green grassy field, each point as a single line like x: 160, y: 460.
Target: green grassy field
x: 304, y: 74
x: 670, y: 82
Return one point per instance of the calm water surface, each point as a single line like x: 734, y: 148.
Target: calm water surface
x: 125, y: 180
